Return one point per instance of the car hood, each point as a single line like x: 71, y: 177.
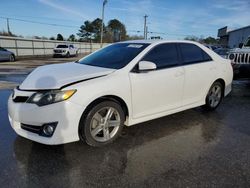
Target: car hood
x: 240, y: 50
x: 59, y: 75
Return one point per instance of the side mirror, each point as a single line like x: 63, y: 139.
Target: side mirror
x: 146, y: 66
x: 241, y: 45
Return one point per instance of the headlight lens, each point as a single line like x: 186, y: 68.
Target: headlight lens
x: 50, y: 97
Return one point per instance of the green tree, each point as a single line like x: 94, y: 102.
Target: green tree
x: 192, y: 38
x: 86, y: 31
x: 52, y: 38
x: 117, y: 29
x: 59, y: 37
x: 96, y: 24
x: 5, y: 33
x: 91, y: 30
x: 210, y: 40
x: 72, y: 38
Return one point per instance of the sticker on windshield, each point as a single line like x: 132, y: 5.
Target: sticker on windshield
x: 134, y: 46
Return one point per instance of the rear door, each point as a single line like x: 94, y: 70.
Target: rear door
x: 158, y: 90
x: 199, y: 72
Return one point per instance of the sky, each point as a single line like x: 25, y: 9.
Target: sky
x: 174, y: 19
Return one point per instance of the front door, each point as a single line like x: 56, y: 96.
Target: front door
x: 158, y: 90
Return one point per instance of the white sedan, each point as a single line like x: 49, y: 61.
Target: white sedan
x: 123, y: 84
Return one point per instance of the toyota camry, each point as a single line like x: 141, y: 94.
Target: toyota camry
x: 124, y: 83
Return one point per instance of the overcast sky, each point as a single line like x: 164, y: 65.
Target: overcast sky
x: 174, y: 18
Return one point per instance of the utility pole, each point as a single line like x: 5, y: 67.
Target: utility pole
x: 103, y: 6
x: 8, y: 25
x: 145, y: 26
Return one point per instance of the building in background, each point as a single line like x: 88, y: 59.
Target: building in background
x: 233, y: 38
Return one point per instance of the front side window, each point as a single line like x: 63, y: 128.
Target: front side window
x: 193, y: 54
x: 115, y: 56
x: 163, y: 55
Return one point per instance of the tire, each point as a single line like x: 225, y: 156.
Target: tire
x: 68, y: 55
x: 214, y: 96
x: 102, y: 124
x: 12, y: 58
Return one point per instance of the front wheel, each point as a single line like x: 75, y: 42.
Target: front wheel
x: 214, y: 96
x: 68, y: 55
x: 12, y: 58
x: 102, y: 124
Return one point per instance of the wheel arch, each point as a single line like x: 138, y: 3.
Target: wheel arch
x: 113, y: 98
x: 223, y: 83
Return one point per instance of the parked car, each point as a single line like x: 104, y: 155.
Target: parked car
x: 65, y: 50
x: 124, y: 83
x: 223, y: 52
x: 240, y: 59
x: 6, y: 55
x: 211, y: 47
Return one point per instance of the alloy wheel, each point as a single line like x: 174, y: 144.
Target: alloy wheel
x: 105, y: 124
x: 215, y: 95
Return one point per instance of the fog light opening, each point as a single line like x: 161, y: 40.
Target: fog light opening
x: 49, y: 129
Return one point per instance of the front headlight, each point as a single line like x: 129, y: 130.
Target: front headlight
x: 50, y: 97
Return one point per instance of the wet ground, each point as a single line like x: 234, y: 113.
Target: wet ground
x: 193, y: 148
x: 12, y: 72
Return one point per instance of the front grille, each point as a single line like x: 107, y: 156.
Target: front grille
x: 240, y: 58
x: 20, y: 99
x: 58, y: 51
x: 32, y: 128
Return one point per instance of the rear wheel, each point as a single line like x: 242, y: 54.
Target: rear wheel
x: 102, y: 124
x: 214, y: 96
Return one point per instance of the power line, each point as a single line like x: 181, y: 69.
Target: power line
x: 73, y: 26
x: 41, y: 18
x: 160, y: 33
x: 41, y: 23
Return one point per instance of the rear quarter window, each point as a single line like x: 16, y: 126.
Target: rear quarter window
x: 193, y: 54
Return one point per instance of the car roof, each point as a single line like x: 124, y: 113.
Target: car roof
x: 159, y: 41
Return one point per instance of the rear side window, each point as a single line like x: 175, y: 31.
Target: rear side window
x: 163, y: 55
x: 193, y: 54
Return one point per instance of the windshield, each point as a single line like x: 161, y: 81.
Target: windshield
x: 115, y: 56
x: 247, y: 43
x: 62, y: 46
